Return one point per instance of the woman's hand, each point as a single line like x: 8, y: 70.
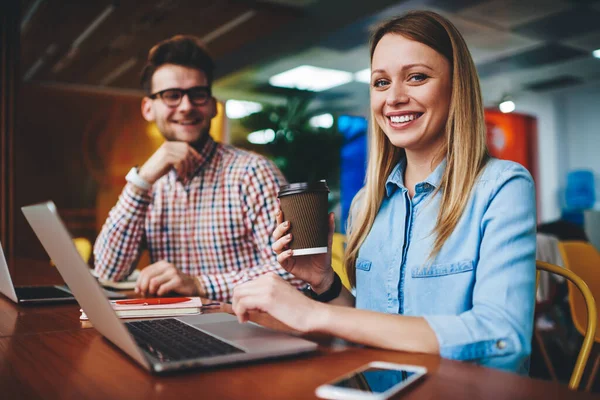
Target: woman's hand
x: 271, y: 294
x: 314, y: 269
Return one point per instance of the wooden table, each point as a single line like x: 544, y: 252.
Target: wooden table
x: 45, y: 352
x: 29, y: 319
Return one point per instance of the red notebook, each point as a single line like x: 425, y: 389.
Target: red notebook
x: 154, y: 307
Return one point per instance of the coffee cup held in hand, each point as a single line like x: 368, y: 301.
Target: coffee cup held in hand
x: 304, y: 205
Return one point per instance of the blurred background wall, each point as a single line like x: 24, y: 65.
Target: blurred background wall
x: 78, y: 128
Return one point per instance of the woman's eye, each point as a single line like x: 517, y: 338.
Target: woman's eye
x: 418, y: 77
x: 380, y: 83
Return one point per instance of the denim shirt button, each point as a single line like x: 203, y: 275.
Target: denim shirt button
x: 501, y: 344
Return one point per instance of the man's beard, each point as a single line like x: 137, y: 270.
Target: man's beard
x: 196, y: 145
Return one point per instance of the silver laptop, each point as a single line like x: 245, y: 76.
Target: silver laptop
x: 164, y: 344
x: 30, y: 294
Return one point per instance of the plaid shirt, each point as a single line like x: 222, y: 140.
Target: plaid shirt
x: 215, y: 225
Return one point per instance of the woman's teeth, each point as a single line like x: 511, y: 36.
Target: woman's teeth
x: 404, y: 118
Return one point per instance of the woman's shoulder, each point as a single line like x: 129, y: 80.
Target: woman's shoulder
x: 500, y: 171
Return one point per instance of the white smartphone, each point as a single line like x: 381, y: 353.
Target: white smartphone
x: 377, y: 380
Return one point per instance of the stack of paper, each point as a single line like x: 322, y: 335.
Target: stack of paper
x: 154, y: 307
x: 127, y: 284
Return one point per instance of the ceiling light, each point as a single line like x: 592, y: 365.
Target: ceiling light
x: 50, y: 50
x: 65, y: 60
x: 223, y: 29
x: 321, y: 121
x: 596, y: 53
x: 117, y: 72
x: 74, y: 50
x: 507, y: 106
x: 30, y: 12
x: 236, y: 109
x: 363, y: 76
x: 93, y: 26
x: 307, y: 77
x: 262, y: 137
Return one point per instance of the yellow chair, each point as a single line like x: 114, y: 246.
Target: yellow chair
x: 337, y: 257
x: 84, y: 247
x: 591, y: 316
x: 584, y: 260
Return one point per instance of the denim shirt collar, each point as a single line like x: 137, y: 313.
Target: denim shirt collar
x: 396, y: 178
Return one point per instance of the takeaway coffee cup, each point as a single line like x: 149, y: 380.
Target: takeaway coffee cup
x: 304, y: 205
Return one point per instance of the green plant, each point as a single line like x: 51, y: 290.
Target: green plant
x: 302, y: 152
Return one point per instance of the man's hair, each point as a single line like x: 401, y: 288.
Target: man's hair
x: 185, y: 50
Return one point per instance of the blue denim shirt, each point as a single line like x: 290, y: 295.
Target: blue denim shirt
x: 478, y: 294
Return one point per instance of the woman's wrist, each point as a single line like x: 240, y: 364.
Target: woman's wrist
x: 320, y: 316
x: 325, y: 283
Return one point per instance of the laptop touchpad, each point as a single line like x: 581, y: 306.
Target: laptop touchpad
x: 233, y: 330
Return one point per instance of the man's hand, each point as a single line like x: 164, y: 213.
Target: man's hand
x: 178, y: 155
x: 163, y: 277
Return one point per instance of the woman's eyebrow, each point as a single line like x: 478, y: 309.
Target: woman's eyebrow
x: 409, y: 66
x: 405, y: 67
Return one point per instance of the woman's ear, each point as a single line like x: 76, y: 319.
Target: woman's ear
x: 147, y: 110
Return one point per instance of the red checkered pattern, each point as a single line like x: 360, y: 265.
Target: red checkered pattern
x: 216, y: 225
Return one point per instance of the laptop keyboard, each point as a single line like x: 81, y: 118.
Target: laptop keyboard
x: 172, y: 340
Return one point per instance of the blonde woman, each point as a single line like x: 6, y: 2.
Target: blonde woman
x: 441, y: 245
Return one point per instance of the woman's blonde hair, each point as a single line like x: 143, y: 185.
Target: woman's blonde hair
x: 465, y: 148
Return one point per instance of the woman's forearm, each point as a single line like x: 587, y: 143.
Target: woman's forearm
x: 395, y: 332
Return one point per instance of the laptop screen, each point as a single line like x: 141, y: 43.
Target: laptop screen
x: 41, y: 292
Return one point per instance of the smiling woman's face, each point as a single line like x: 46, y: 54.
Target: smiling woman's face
x: 410, y: 93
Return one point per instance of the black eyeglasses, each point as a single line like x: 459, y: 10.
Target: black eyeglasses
x: 198, y: 95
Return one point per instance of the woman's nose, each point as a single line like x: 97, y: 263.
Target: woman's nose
x: 396, y: 95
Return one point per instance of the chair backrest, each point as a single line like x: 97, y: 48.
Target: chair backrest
x: 84, y: 247
x: 590, y: 332
x: 337, y: 257
x: 584, y: 260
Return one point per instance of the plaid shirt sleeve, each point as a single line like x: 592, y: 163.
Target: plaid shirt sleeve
x: 118, y: 245
x: 259, y: 189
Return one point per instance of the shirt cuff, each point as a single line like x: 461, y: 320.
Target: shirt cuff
x: 456, y: 342
x: 137, y: 194
x: 215, y: 288
x: 200, y: 286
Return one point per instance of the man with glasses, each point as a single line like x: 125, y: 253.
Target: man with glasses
x: 204, y: 210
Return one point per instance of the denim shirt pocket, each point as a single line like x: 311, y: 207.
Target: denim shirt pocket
x: 440, y: 288
x: 366, y: 286
x: 442, y: 269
